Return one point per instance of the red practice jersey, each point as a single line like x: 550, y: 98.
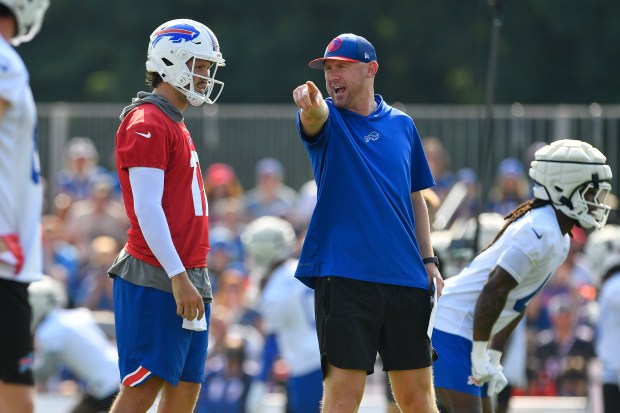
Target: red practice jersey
x: 147, y: 137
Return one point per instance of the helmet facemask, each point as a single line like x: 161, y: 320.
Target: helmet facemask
x: 574, y: 177
x: 186, y: 83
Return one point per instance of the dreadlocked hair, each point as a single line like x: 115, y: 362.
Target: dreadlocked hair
x: 517, y: 213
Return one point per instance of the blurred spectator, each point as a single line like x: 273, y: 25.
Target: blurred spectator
x: 61, y: 260
x: 98, y: 215
x: 573, y: 277
x: 511, y: 187
x: 227, y: 379
x: 270, y: 196
x: 439, y: 162
x: 96, y: 289
x: 225, y: 252
x: 566, y: 348
x: 304, y: 205
x: 72, y: 338
x: 81, y: 169
x: 221, y: 182
x: 468, y: 207
x: 232, y: 298
x: 230, y: 215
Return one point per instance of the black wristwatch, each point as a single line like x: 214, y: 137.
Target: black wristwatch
x: 431, y: 260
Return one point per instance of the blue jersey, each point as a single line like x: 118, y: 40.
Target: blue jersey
x: 363, y: 226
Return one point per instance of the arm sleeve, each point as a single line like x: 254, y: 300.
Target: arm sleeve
x: 147, y: 185
x: 516, y: 263
x: 270, y: 352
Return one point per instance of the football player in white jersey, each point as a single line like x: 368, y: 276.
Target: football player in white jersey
x: 603, y: 249
x: 482, y: 305
x: 287, y: 310
x: 72, y: 337
x: 21, y: 200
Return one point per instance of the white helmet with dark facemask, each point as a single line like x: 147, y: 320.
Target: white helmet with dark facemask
x: 173, y: 50
x: 44, y: 296
x: 268, y: 240
x: 29, y: 16
x: 602, y: 249
x: 573, y: 175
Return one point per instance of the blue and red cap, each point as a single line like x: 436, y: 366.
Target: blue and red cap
x: 347, y: 47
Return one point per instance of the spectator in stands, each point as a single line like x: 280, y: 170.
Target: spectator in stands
x: 61, y: 259
x: 511, y: 187
x: 227, y: 379
x: 270, y: 196
x: 573, y: 277
x: 469, y: 207
x: 221, y: 182
x: 439, y: 162
x: 304, y: 205
x: 226, y: 252
x: 100, y: 214
x: 232, y: 297
x: 566, y: 348
x: 82, y: 169
x: 97, y: 287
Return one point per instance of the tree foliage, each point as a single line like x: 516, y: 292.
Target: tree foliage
x: 550, y: 51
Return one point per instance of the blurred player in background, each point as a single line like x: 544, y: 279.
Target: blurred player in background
x: 603, y: 248
x: 161, y: 286
x: 486, y: 301
x: 21, y: 200
x: 72, y: 338
x: 367, y: 251
x: 287, y: 310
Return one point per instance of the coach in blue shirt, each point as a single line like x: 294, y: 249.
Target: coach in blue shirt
x: 367, y: 252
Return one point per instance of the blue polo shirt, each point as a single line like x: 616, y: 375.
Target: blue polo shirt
x: 363, y: 227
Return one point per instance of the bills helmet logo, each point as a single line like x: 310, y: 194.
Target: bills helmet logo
x: 25, y: 363
x: 177, y: 34
x: 334, y: 45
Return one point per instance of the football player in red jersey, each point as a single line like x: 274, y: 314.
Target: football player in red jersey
x: 161, y: 285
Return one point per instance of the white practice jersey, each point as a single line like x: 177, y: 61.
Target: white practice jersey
x: 608, y: 329
x: 73, y: 337
x: 287, y: 308
x: 21, y: 193
x: 530, y: 250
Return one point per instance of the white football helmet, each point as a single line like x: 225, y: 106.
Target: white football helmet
x: 602, y: 249
x: 29, y: 15
x: 173, y: 49
x: 573, y: 175
x: 268, y: 240
x: 44, y: 296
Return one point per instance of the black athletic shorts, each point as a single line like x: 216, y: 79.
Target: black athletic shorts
x: 356, y: 319
x: 16, y: 352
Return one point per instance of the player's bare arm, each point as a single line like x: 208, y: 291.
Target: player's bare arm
x: 500, y: 340
x: 189, y: 302
x: 423, y: 235
x: 314, y: 110
x: 491, y: 302
x: 4, y: 106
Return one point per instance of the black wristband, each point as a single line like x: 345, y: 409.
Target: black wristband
x: 431, y: 260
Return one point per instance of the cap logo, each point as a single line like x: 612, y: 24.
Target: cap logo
x: 334, y: 45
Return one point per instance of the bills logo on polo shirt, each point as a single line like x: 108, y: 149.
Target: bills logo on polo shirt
x: 177, y: 34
